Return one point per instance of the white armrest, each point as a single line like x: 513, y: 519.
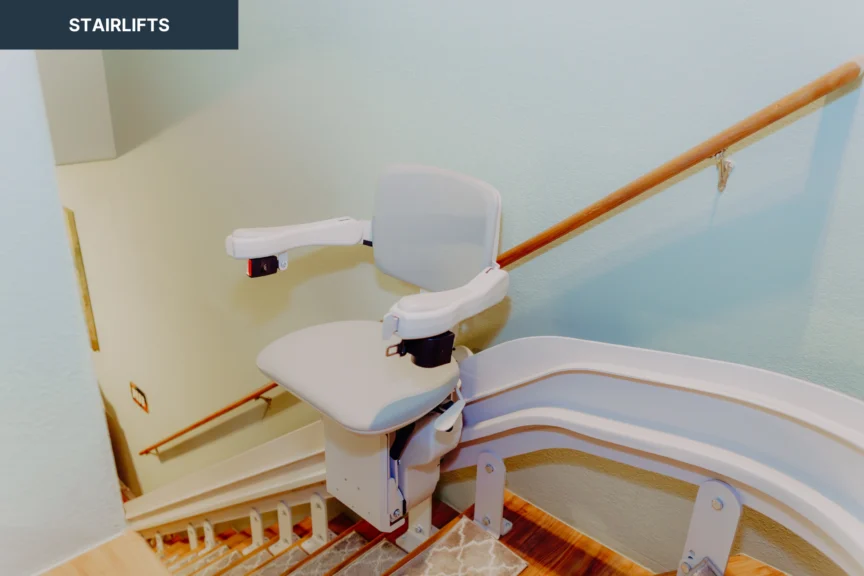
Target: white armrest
x: 248, y: 243
x: 432, y: 313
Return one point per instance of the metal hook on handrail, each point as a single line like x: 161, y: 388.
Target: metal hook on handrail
x: 724, y: 168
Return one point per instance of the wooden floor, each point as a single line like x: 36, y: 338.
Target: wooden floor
x: 128, y: 554
x: 552, y: 547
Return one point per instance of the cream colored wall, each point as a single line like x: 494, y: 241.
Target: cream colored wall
x: 174, y: 313
x: 555, y: 103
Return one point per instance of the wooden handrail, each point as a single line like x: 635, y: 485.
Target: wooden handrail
x: 250, y: 398
x: 837, y: 78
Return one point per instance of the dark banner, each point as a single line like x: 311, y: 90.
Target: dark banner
x: 118, y: 24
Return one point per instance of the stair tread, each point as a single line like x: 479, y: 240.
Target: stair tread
x: 220, y: 563
x: 222, y: 560
x: 286, y: 560
x: 464, y: 548
x: 441, y: 515
x: 192, y: 556
x: 376, y: 559
x: 552, y: 547
x: 281, y: 563
x: 331, y: 554
x: 234, y: 555
x: 202, y: 561
x: 250, y: 561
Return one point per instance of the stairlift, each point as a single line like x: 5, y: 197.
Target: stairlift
x: 391, y: 397
x: 400, y: 401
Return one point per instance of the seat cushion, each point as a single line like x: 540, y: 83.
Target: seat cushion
x: 342, y: 370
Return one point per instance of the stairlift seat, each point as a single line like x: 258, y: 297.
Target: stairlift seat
x: 342, y: 370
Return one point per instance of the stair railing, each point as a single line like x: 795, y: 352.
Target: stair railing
x: 257, y: 395
x: 841, y: 76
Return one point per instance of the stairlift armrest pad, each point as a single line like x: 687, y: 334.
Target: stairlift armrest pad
x: 246, y: 243
x: 432, y: 313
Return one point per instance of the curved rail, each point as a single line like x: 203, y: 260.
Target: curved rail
x: 257, y: 395
x: 793, y: 449
x: 841, y: 76
x: 536, y: 358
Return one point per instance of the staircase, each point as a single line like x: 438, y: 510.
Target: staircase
x: 538, y: 544
x: 519, y: 398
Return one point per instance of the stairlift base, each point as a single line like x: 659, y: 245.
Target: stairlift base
x: 489, y: 495
x: 419, y: 526
x: 704, y: 568
x: 712, y: 529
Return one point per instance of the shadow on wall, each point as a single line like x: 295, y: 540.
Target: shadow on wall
x: 479, y: 332
x: 139, y: 114
x: 280, y: 402
x: 120, y: 446
x: 739, y: 265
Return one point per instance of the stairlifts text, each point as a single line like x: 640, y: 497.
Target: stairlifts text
x: 119, y: 25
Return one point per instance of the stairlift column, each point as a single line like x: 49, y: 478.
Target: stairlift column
x: 367, y: 474
x: 419, y: 472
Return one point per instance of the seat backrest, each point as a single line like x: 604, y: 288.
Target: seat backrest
x: 434, y: 228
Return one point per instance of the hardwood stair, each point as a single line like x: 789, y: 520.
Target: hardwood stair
x: 380, y: 550
x: 262, y: 562
x: 537, y: 545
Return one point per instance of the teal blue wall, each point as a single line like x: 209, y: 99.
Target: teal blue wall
x: 559, y: 103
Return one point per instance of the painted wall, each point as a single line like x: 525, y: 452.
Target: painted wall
x: 60, y: 492
x: 555, y: 103
x: 76, y: 100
